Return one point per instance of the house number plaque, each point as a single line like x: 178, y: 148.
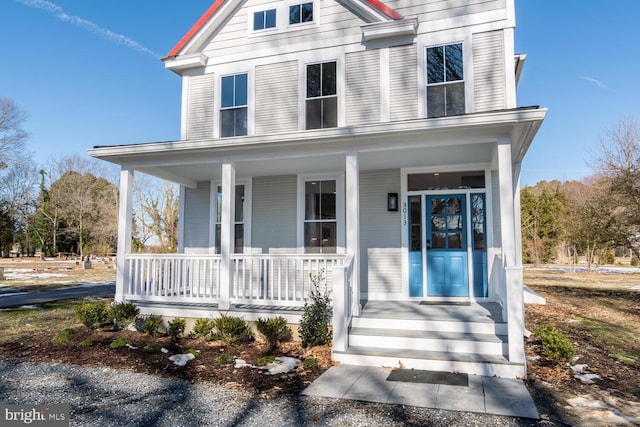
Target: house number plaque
x: 404, y: 213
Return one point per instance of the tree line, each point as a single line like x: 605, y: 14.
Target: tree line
x: 70, y: 205
x: 594, y: 218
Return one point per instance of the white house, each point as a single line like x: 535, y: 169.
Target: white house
x: 377, y: 142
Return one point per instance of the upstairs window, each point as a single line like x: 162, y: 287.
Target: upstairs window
x: 321, y: 99
x: 300, y: 13
x: 233, y: 106
x: 264, y: 19
x: 445, y: 81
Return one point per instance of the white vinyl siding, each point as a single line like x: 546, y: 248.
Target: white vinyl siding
x: 403, y: 82
x: 380, y: 253
x: 362, y: 83
x: 488, y: 66
x: 196, y: 218
x: 274, y: 213
x: 276, y: 95
x: 432, y: 10
x: 200, y: 106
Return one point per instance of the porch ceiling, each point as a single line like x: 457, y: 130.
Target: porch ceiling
x: 447, y: 141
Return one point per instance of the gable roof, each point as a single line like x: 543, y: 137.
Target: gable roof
x: 218, y: 5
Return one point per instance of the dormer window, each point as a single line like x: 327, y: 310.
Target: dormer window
x: 301, y: 13
x: 445, y: 81
x: 264, y: 19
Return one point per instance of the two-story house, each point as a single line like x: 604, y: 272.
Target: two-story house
x: 377, y: 143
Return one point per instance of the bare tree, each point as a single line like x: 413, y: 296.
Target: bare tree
x: 12, y: 136
x: 161, y: 216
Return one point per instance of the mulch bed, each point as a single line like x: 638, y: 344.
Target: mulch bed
x: 205, y: 367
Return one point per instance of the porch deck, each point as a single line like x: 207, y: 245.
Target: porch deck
x: 485, y: 312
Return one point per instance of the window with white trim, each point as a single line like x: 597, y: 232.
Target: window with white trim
x: 264, y: 19
x: 300, y: 13
x: 445, y: 81
x: 238, y: 220
x: 320, y: 219
x: 233, y: 105
x: 321, y: 96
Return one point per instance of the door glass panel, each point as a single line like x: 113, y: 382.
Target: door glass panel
x: 455, y: 241
x: 416, y: 226
x: 438, y: 206
x: 438, y: 223
x: 454, y: 222
x: 438, y: 240
x: 477, y: 213
x: 454, y: 206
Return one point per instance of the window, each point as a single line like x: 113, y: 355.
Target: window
x: 264, y: 19
x: 233, y: 106
x: 322, y: 99
x: 238, y: 221
x: 301, y: 13
x: 320, y: 225
x: 445, y: 81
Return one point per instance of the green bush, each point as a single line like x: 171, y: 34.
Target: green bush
x: 86, y: 343
x: 225, y: 358
x: 609, y: 258
x: 150, y: 324
x: 123, y: 313
x: 93, y: 314
x: 63, y: 337
x: 274, y: 329
x: 231, y: 329
x: 265, y: 360
x: 176, y: 327
x: 203, y: 329
x: 314, y: 324
x: 635, y: 261
x: 118, y: 343
x: 152, y: 348
x: 556, y: 346
x: 310, y: 362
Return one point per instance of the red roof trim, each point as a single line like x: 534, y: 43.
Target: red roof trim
x: 196, y: 27
x: 377, y: 4
x: 390, y: 12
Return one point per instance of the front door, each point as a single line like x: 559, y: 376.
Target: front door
x: 446, y: 246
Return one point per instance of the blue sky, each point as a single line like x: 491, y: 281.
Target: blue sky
x: 87, y: 73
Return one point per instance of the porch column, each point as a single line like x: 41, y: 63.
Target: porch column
x: 125, y: 210
x: 352, y: 185
x: 513, y: 271
x: 227, y: 230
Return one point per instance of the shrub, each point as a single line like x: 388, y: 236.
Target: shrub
x: 193, y: 351
x: 274, y: 329
x: 123, y: 313
x: 231, y: 329
x: 63, y: 337
x: 151, y: 324
x: 203, y: 329
x: 86, y: 343
x: 118, y: 343
x: 310, y: 362
x: 556, y: 346
x: 225, y: 358
x: 635, y: 261
x: 314, y: 324
x: 176, y: 327
x: 609, y: 258
x: 152, y: 348
x: 265, y: 360
x: 93, y: 314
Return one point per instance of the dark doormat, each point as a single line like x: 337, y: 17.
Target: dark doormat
x: 428, y: 377
x: 464, y: 303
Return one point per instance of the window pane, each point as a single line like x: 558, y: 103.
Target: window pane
x: 270, y: 18
x: 455, y: 99
x: 307, y: 12
x: 320, y: 237
x: 227, y: 91
x: 219, y: 206
x: 438, y: 240
x: 477, y: 203
x: 328, y: 200
x: 314, y: 113
x: 330, y: 112
x: 239, y: 205
x: 453, y: 61
x: 438, y: 223
x: 328, y: 78
x: 218, y: 237
x: 454, y: 222
x: 454, y: 206
x: 258, y: 21
x: 227, y: 123
x: 435, y: 101
x: 455, y: 241
x: 239, y: 239
x: 240, y: 121
x: 437, y: 206
x: 294, y: 14
x: 312, y: 200
x: 435, y: 65
x: 313, y: 80
x: 240, y: 90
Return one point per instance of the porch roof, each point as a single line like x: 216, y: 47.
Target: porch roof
x: 453, y: 140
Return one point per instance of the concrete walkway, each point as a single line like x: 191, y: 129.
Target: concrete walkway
x: 496, y: 396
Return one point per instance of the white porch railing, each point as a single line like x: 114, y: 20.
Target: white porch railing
x: 257, y: 279
x: 342, y: 299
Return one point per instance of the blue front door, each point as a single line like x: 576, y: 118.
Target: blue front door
x: 446, y: 246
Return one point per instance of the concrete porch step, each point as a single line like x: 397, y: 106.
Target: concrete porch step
x: 440, y: 341
x: 471, y: 363
x: 450, y: 325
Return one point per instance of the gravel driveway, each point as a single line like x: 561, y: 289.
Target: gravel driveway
x: 109, y: 397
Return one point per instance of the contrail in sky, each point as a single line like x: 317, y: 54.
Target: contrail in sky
x: 592, y: 80
x: 89, y: 26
